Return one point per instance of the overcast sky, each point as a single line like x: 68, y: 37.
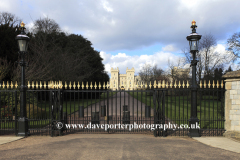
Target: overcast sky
x: 130, y: 33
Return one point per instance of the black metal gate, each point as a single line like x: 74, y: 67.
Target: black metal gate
x: 106, y: 111
x: 162, y: 110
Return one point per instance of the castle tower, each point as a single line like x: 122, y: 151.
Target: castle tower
x: 126, y: 81
x: 130, y: 78
x: 114, y: 81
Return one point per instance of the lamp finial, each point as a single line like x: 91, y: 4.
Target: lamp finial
x: 22, y: 24
x: 193, y: 23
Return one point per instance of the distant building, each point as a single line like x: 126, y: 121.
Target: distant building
x: 130, y: 80
x: 178, y: 73
x: 126, y: 81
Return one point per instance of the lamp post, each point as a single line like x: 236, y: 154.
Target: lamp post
x: 22, y: 39
x: 193, y: 39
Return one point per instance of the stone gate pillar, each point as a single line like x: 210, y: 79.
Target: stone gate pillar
x: 232, y: 104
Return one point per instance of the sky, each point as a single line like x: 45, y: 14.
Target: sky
x: 131, y: 33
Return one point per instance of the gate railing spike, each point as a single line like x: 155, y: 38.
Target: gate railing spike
x: 36, y: 84
x: 222, y: 84
x: 159, y: 84
x: 175, y: 85
x: 40, y: 85
x: 163, y: 84
x: 7, y: 85
x: 91, y: 85
x: 70, y: 85
x: 99, y: 86
x: 16, y: 84
x: 82, y: 85
x: 28, y: 85
x: 33, y: 85
x: 103, y: 85
x: 95, y: 86
x: 183, y: 84
x: 11, y: 85
x: 209, y: 84
x: 65, y: 86
x: 3, y: 85
x: 155, y: 85
x: 179, y: 84
x: 74, y: 85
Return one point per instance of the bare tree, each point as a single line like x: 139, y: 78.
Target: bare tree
x: 172, y: 69
x: 48, y: 60
x: 10, y: 19
x: 4, y: 68
x: 46, y: 25
x: 209, y: 59
x: 234, y: 45
x: 157, y: 72
x: 150, y: 73
x: 146, y: 73
x: 207, y: 44
x: 46, y: 65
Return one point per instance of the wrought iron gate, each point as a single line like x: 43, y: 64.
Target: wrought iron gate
x: 86, y: 111
x: 58, y: 111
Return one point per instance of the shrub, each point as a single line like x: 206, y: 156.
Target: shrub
x: 6, y: 112
x: 33, y: 112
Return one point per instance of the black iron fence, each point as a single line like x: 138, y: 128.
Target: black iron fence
x: 162, y: 109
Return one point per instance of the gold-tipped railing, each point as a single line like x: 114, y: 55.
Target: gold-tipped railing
x: 95, y: 85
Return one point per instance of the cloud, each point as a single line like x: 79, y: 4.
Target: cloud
x: 133, y: 25
x: 106, y: 6
x: 129, y: 25
x: 122, y: 61
x: 169, y: 48
x: 161, y: 58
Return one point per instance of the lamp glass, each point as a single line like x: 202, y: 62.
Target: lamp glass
x: 194, y: 45
x: 23, y: 44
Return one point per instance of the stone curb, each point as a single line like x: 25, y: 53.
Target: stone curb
x: 4, y: 140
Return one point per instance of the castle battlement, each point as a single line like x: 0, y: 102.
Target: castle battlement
x: 118, y: 80
x: 113, y: 69
x: 127, y: 70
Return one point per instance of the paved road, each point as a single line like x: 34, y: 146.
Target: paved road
x: 116, y: 102
x: 116, y: 146
x: 110, y: 147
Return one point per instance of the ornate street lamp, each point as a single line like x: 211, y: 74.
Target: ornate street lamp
x: 193, y: 39
x: 22, y: 39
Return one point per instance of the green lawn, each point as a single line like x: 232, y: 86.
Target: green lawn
x: 32, y: 124
x: 71, y: 106
x: 178, y: 109
x: 44, y: 110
